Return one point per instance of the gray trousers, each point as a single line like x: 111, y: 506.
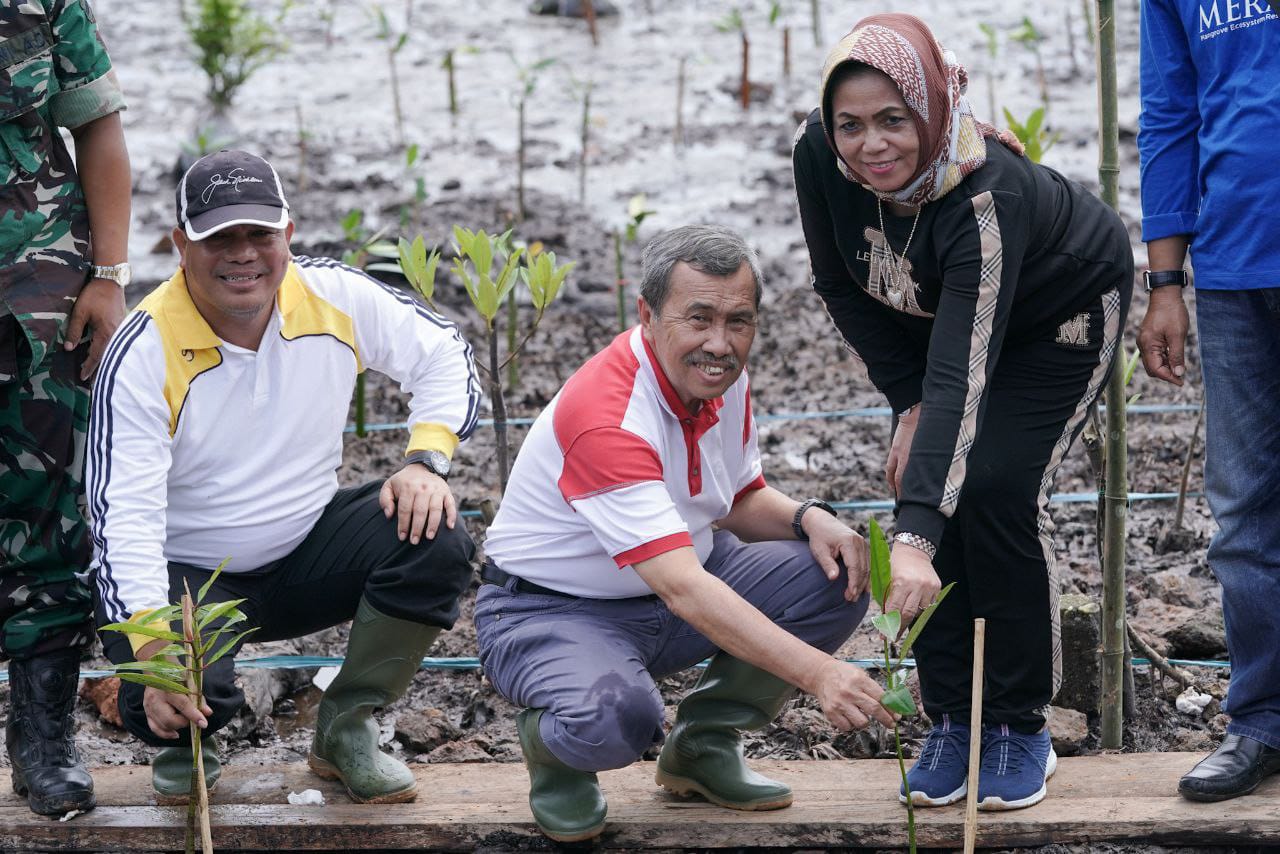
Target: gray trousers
x: 591, y: 663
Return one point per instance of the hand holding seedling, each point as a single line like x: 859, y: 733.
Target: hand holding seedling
x: 900, y: 449
x: 420, y: 498
x: 832, y: 543
x: 849, y: 697
x: 168, y: 714
x: 914, y: 586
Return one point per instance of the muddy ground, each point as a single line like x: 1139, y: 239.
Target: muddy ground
x: 322, y: 112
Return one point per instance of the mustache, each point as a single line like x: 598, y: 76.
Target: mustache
x: 729, y: 362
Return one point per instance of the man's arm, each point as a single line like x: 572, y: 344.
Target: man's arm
x: 767, y: 514
x: 1162, y: 339
x: 849, y: 697
x: 103, y: 163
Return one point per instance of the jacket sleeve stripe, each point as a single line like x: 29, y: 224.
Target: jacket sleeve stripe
x: 100, y: 456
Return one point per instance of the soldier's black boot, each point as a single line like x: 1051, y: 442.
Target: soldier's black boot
x: 40, y: 734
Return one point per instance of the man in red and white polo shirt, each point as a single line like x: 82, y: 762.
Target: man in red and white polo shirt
x: 637, y: 537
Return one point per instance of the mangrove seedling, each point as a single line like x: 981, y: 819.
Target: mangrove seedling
x: 489, y: 268
x: 395, y: 43
x: 527, y: 75
x: 1031, y: 133
x: 367, y: 247
x: 733, y: 22
x: 1030, y: 37
x: 993, y: 51
x: 815, y: 15
x: 178, y: 668
x: 775, y: 12
x: 897, y: 695
x: 449, y: 63
x: 636, y: 213
x: 232, y: 42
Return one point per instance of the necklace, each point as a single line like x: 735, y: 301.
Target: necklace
x: 895, y: 291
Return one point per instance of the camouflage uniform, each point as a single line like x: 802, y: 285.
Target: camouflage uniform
x: 54, y: 71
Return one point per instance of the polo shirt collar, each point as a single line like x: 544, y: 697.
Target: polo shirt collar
x: 706, y: 417
x: 192, y: 331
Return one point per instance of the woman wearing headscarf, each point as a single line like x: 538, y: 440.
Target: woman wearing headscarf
x: 986, y: 295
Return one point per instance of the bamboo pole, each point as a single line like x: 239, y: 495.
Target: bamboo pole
x: 975, y: 735
x: 1114, y: 501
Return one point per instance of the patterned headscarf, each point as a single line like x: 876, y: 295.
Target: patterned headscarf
x: 932, y: 83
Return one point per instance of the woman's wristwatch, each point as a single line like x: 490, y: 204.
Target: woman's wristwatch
x: 916, y: 541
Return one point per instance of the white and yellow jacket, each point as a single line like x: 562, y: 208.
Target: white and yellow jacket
x: 200, y: 450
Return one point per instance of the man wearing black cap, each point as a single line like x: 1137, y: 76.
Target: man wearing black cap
x: 216, y: 433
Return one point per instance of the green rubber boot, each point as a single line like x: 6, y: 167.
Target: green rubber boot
x: 383, y: 654
x: 567, y: 804
x: 703, y: 753
x: 171, y: 771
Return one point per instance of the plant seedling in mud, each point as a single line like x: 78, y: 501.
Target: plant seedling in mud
x: 449, y: 64
x: 733, y: 22
x: 367, y: 247
x: 993, y: 53
x: 1032, y: 134
x: 178, y: 668
x: 1030, y: 37
x: 232, y: 41
x: 527, y: 75
x: 490, y: 268
x: 775, y: 12
x: 395, y: 43
x: 897, y: 696
x: 636, y: 213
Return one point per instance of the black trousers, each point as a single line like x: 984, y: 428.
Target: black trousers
x: 352, y: 551
x: 998, y: 545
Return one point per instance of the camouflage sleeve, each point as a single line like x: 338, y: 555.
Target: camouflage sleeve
x: 86, y: 86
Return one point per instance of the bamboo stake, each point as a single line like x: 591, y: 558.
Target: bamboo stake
x: 746, y: 67
x: 786, y: 52
x: 975, y: 735
x: 1116, y: 505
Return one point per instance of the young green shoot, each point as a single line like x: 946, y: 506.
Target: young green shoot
x: 395, y: 42
x: 366, y: 247
x: 1030, y: 37
x: 733, y: 22
x: 1032, y: 134
x: 527, y: 76
x: 897, y: 695
x: 636, y: 213
x: 232, y: 42
x: 179, y: 666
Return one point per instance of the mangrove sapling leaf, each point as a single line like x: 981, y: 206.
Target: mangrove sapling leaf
x: 880, y: 573
x: 888, y: 624
x: 898, y: 699
x: 205, y: 616
x: 904, y: 649
x: 167, y: 685
x: 143, y: 629
x: 204, y: 588
x: 226, y: 647
x: 164, y: 668
x: 481, y: 253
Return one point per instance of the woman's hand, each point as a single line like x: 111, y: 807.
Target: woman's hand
x: 900, y: 448
x: 915, y: 584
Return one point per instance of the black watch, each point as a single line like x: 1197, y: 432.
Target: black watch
x: 1163, y: 279
x: 804, y: 508
x: 436, y: 462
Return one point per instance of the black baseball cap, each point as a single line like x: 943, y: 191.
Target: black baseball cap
x: 230, y: 188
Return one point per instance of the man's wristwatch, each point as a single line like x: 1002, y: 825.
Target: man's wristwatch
x: 796, y: 528
x: 1163, y: 279
x: 916, y: 541
x: 121, y: 274
x: 435, y: 461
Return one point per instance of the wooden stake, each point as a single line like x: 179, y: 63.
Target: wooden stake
x: 191, y: 639
x: 589, y: 12
x: 975, y: 735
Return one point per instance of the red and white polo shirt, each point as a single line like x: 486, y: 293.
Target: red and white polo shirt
x: 616, y: 470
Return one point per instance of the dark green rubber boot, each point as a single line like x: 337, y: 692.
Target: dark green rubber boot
x: 703, y: 753
x: 383, y: 654
x: 171, y: 771
x: 567, y: 804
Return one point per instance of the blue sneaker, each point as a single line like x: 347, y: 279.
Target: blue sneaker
x: 1014, y: 768
x: 939, y: 776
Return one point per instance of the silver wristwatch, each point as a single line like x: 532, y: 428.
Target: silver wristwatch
x: 435, y: 461
x: 121, y: 274
x: 916, y: 541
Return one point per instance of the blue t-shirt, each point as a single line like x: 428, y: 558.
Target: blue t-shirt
x: 1209, y: 136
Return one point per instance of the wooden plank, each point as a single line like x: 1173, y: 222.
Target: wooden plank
x: 1127, y: 797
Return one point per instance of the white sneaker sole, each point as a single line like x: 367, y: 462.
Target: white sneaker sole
x: 920, y: 799
x: 1000, y: 805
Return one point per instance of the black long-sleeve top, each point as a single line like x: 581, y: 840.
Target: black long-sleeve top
x: 1008, y: 255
